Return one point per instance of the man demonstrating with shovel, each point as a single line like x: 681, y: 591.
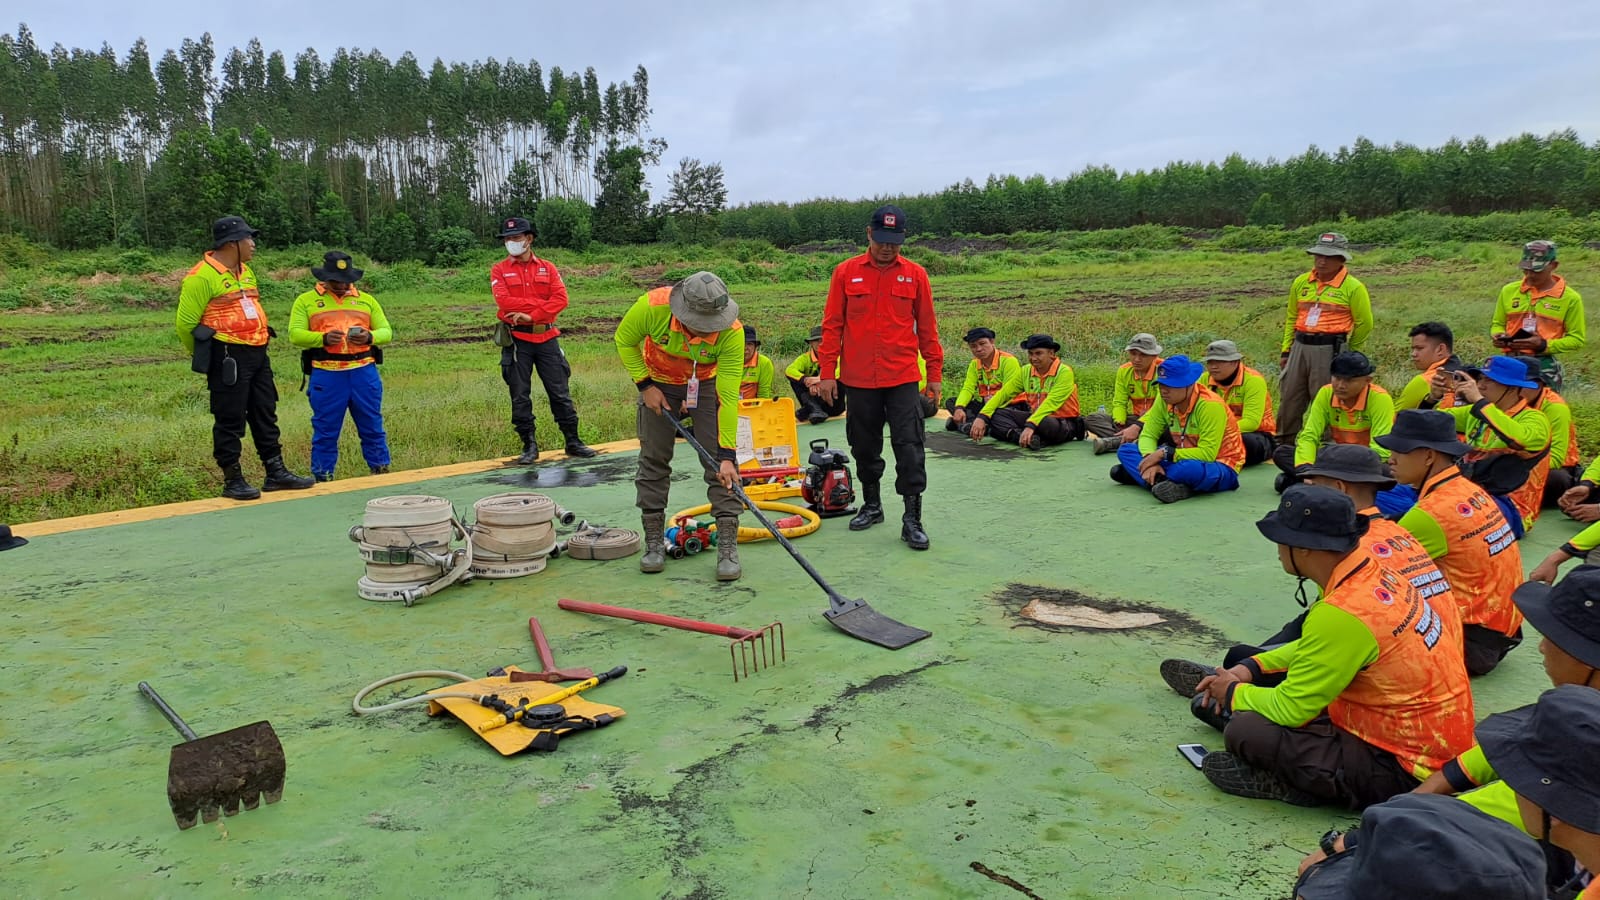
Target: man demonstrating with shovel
x: 878, y: 316
x: 683, y: 347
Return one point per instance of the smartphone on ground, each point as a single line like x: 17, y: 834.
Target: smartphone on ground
x: 1194, y: 753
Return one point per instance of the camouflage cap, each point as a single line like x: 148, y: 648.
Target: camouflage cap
x: 1331, y: 243
x: 1537, y: 255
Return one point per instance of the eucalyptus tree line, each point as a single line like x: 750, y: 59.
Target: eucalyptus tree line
x: 97, y: 147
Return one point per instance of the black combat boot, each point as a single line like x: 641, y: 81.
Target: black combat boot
x: 234, y: 487
x: 911, y: 523
x: 530, y: 451
x: 576, y: 447
x: 871, y: 509
x: 279, y: 478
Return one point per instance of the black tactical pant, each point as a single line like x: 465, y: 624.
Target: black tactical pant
x: 899, y: 407
x: 251, y: 400
x: 518, y: 362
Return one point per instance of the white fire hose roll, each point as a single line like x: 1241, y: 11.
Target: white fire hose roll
x: 405, y: 542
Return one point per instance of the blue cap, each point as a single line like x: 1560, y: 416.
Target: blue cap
x: 1508, y: 371
x: 1178, y: 372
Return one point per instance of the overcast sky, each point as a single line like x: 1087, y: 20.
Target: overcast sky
x: 806, y: 99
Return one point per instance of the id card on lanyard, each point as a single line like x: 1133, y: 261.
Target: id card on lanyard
x: 1314, y: 316
x: 691, y: 397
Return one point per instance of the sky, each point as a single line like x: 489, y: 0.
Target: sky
x: 825, y: 99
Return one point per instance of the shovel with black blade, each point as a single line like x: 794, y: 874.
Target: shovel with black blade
x: 856, y: 618
x: 217, y: 773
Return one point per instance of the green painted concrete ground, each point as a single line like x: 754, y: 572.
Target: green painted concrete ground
x: 850, y: 771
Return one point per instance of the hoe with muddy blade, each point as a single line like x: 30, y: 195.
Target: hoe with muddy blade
x: 217, y: 773
x: 856, y: 618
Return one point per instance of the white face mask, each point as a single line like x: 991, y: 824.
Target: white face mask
x: 516, y: 248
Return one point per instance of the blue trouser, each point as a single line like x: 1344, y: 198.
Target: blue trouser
x: 1397, y: 501
x: 335, y: 391
x: 1203, y: 477
x: 1509, y: 510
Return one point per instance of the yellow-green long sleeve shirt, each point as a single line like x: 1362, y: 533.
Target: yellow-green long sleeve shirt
x: 1343, y: 305
x: 981, y: 381
x: 1363, y: 423
x: 725, y: 350
x: 1047, y: 393
x: 1557, y: 312
x: 1334, y: 646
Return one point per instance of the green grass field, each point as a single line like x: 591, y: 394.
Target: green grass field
x: 102, y: 413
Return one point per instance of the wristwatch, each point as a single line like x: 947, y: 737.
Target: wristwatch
x: 1328, y: 840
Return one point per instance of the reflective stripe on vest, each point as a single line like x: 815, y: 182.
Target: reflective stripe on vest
x: 1036, y: 388
x: 235, y: 311
x: 989, y: 380
x: 1482, y: 559
x: 1324, y: 307
x: 1414, y: 700
x: 1231, y: 453
x: 338, y: 317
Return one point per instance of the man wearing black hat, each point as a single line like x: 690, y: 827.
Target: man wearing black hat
x: 1375, y: 693
x: 1546, y: 754
x: 528, y: 295
x: 1038, y: 407
x: 877, y: 319
x: 1349, y: 409
x: 1329, y: 311
x: 339, y: 329
x: 223, y: 325
x: 9, y: 541
x: 1417, y: 847
x: 804, y: 376
x: 1539, y: 316
x: 990, y: 370
x: 1568, y: 617
x: 1358, y: 473
x: 1463, y: 530
x: 757, y: 381
x: 1508, y: 438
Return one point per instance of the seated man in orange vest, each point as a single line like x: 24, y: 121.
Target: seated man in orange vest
x: 1463, y: 530
x: 1360, y: 474
x: 1038, y: 407
x: 1205, y: 453
x: 991, y: 368
x: 1132, y: 395
x: 1374, y: 694
x: 1246, y: 393
x: 1508, y: 437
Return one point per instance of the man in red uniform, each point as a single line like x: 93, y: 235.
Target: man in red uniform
x: 528, y: 295
x: 878, y: 316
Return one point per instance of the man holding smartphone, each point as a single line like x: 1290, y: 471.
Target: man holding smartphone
x: 1539, y: 316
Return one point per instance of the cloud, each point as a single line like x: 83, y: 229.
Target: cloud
x: 832, y: 98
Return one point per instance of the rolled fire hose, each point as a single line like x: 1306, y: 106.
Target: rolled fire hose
x: 405, y: 541
x: 514, y: 533
x: 599, y: 542
x: 747, y: 533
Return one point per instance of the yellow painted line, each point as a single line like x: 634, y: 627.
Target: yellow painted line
x: 367, y: 482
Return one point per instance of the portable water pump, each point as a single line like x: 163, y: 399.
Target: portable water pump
x: 827, y: 487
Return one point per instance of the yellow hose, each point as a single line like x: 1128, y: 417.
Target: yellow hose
x: 749, y: 533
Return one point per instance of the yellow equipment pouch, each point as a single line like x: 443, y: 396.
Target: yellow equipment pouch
x: 517, y: 737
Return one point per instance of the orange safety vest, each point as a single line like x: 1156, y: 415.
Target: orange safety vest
x: 1231, y: 453
x: 1143, y: 395
x: 668, y: 366
x: 235, y: 314
x: 1389, y: 544
x: 1316, y: 317
x: 989, y: 386
x: 1414, y: 700
x: 1534, y: 317
x: 1036, y: 387
x: 1351, y: 428
x: 1269, y: 425
x: 1481, y: 558
x: 1528, y: 499
x: 343, y: 355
